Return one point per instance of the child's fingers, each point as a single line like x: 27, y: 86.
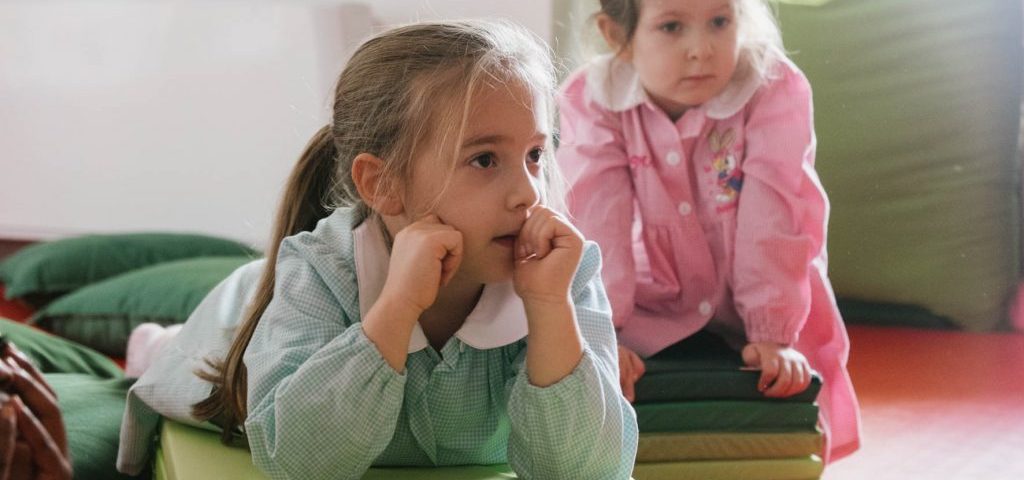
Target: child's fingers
x: 542, y: 236
x: 751, y: 356
x: 8, y: 435
x: 804, y: 379
x: 783, y: 382
x: 452, y: 242
x: 639, y: 369
x: 545, y: 231
x: 626, y: 374
x: 628, y: 386
x: 22, y: 361
x: 42, y: 405
x: 48, y: 456
x: 769, y: 372
x: 21, y: 466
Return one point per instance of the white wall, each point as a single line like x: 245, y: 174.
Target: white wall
x: 181, y: 116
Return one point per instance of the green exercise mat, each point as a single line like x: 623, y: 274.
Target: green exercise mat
x: 704, y: 367
x: 727, y: 416
x: 190, y: 453
x: 677, y: 447
x: 778, y: 469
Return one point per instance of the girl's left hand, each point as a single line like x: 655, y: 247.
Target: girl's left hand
x: 548, y: 250
x: 784, y: 370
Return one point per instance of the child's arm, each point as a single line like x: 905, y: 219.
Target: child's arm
x: 322, y: 401
x: 580, y: 426
x: 592, y: 154
x: 781, y: 220
x: 549, y: 250
x: 425, y: 256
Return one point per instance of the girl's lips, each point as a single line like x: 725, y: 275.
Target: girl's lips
x: 508, y: 241
x: 696, y: 78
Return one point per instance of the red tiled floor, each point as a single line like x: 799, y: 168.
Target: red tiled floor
x: 936, y: 405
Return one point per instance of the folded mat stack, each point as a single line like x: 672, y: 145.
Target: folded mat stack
x: 702, y: 417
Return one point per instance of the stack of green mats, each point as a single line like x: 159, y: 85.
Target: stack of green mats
x: 702, y: 417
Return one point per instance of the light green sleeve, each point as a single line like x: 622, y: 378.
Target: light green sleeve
x: 323, y: 403
x: 582, y: 426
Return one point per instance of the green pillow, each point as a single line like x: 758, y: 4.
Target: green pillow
x: 92, y: 409
x: 102, y: 315
x: 917, y: 113
x: 52, y: 354
x: 42, y: 271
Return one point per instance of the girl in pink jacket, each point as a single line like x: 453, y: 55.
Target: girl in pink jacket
x: 690, y: 154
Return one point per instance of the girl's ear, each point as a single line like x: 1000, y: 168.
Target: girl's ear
x: 614, y: 35
x: 368, y: 176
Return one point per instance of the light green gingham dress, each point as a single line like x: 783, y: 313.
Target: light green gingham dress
x: 323, y: 402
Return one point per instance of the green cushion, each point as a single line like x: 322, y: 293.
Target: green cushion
x: 194, y: 454
x: 92, y: 409
x: 704, y: 367
x: 727, y: 416
x: 53, y: 268
x: 678, y: 447
x: 102, y: 315
x: 917, y: 111
x: 52, y: 354
x: 806, y: 468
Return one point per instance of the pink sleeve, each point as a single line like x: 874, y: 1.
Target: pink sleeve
x: 782, y: 212
x: 592, y: 155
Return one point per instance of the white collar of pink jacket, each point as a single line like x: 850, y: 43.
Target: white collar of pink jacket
x: 615, y: 85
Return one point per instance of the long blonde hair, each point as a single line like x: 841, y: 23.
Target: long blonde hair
x: 404, y: 90
x: 758, y: 35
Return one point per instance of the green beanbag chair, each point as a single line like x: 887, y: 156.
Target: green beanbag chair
x: 917, y: 113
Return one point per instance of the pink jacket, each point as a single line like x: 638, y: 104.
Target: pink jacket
x: 715, y: 220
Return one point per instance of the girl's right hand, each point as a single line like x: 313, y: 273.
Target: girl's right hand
x: 631, y: 368
x: 424, y: 257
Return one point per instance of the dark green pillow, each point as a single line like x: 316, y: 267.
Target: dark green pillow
x: 102, y: 315
x: 48, y: 269
x: 92, y: 409
x: 52, y: 354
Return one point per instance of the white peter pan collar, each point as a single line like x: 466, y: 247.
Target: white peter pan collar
x: 615, y: 85
x: 498, y: 319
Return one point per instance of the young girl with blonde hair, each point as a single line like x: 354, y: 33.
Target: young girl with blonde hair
x: 445, y: 313
x: 690, y: 152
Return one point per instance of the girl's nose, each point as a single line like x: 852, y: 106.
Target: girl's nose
x: 524, y: 191
x: 699, y: 49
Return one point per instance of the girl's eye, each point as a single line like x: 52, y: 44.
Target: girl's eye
x: 721, y: 21
x: 535, y: 155
x: 670, y: 27
x: 484, y: 160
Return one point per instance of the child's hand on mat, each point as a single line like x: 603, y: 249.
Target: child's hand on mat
x: 547, y: 252
x: 33, y: 443
x: 631, y: 368
x: 784, y: 370
x: 425, y: 256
